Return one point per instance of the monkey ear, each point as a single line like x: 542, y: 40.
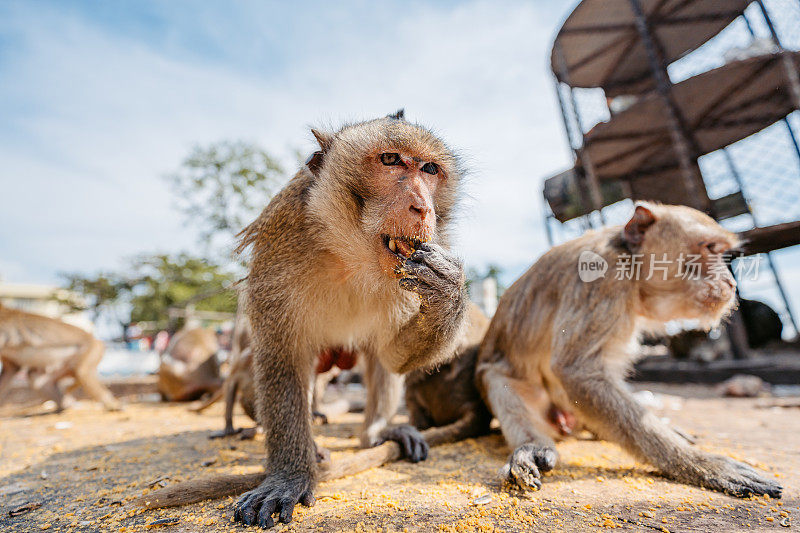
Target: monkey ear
x: 314, y: 162
x: 400, y: 114
x: 323, y: 138
x: 642, y: 218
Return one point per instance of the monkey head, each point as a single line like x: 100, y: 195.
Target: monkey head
x: 398, y: 182
x: 683, y: 272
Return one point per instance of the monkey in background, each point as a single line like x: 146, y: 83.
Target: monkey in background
x: 50, y: 350
x: 189, y: 367
x: 352, y: 253
x: 577, y: 340
x: 239, y: 385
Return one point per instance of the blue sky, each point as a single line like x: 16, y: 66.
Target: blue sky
x: 99, y: 100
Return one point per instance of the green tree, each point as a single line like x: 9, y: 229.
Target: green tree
x: 102, y: 293
x: 222, y: 187
x: 159, y: 282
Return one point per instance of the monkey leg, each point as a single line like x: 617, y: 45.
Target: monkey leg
x: 614, y: 414
x: 281, y: 379
x: 86, y: 374
x: 51, y: 389
x: 7, y: 375
x: 518, y: 406
x: 384, y: 390
x: 231, y: 387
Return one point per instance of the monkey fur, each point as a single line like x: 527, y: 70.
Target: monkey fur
x: 443, y: 402
x: 352, y: 253
x: 189, y: 367
x: 577, y: 340
x: 50, y: 350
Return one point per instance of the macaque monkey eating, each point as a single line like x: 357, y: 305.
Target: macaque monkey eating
x: 189, y: 367
x: 352, y: 253
x: 50, y: 350
x: 576, y: 336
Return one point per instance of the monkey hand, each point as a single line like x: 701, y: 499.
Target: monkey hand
x: 526, y: 464
x: 437, y: 276
x: 724, y: 474
x: 411, y: 441
x: 278, y: 493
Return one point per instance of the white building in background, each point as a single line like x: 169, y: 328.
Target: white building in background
x: 46, y: 300
x: 484, y: 294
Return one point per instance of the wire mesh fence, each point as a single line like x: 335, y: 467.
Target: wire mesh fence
x: 765, y: 166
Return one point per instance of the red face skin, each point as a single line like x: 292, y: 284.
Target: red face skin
x: 408, y: 195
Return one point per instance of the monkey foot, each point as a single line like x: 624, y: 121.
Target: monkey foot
x: 277, y: 494
x: 227, y: 432
x: 733, y: 477
x: 526, y: 464
x: 411, y: 441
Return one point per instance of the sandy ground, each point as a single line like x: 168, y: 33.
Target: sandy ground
x: 84, y: 465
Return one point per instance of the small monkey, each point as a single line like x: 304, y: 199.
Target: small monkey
x: 352, y: 253
x: 50, y: 350
x: 577, y: 340
x: 189, y: 367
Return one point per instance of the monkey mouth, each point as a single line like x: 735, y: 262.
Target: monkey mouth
x: 401, y: 247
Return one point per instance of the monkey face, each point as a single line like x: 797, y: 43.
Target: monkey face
x: 682, y: 252
x: 400, y: 183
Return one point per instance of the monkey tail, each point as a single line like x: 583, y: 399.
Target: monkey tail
x: 210, y: 401
x: 196, y: 490
x: 223, y: 485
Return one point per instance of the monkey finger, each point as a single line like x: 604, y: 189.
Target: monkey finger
x: 411, y: 284
x: 286, y: 506
x: 448, y: 267
x: 421, y: 450
x: 265, y: 513
x: 246, y: 506
x: 427, y: 275
x: 308, y: 499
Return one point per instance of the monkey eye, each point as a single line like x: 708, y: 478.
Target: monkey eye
x: 390, y: 159
x: 430, y: 168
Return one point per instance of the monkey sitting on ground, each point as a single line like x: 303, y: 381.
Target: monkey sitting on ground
x: 189, y: 367
x: 577, y: 338
x: 352, y: 253
x: 50, y: 350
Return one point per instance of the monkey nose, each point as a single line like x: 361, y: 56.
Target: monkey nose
x: 420, y: 209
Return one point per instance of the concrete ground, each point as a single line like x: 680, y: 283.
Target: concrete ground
x: 83, y: 466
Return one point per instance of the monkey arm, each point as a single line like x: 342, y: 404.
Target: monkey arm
x: 431, y: 336
x: 281, y: 377
x: 612, y: 412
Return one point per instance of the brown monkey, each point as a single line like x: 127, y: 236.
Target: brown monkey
x: 445, y: 398
x: 577, y: 338
x: 50, y: 350
x: 351, y: 253
x: 189, y: 367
